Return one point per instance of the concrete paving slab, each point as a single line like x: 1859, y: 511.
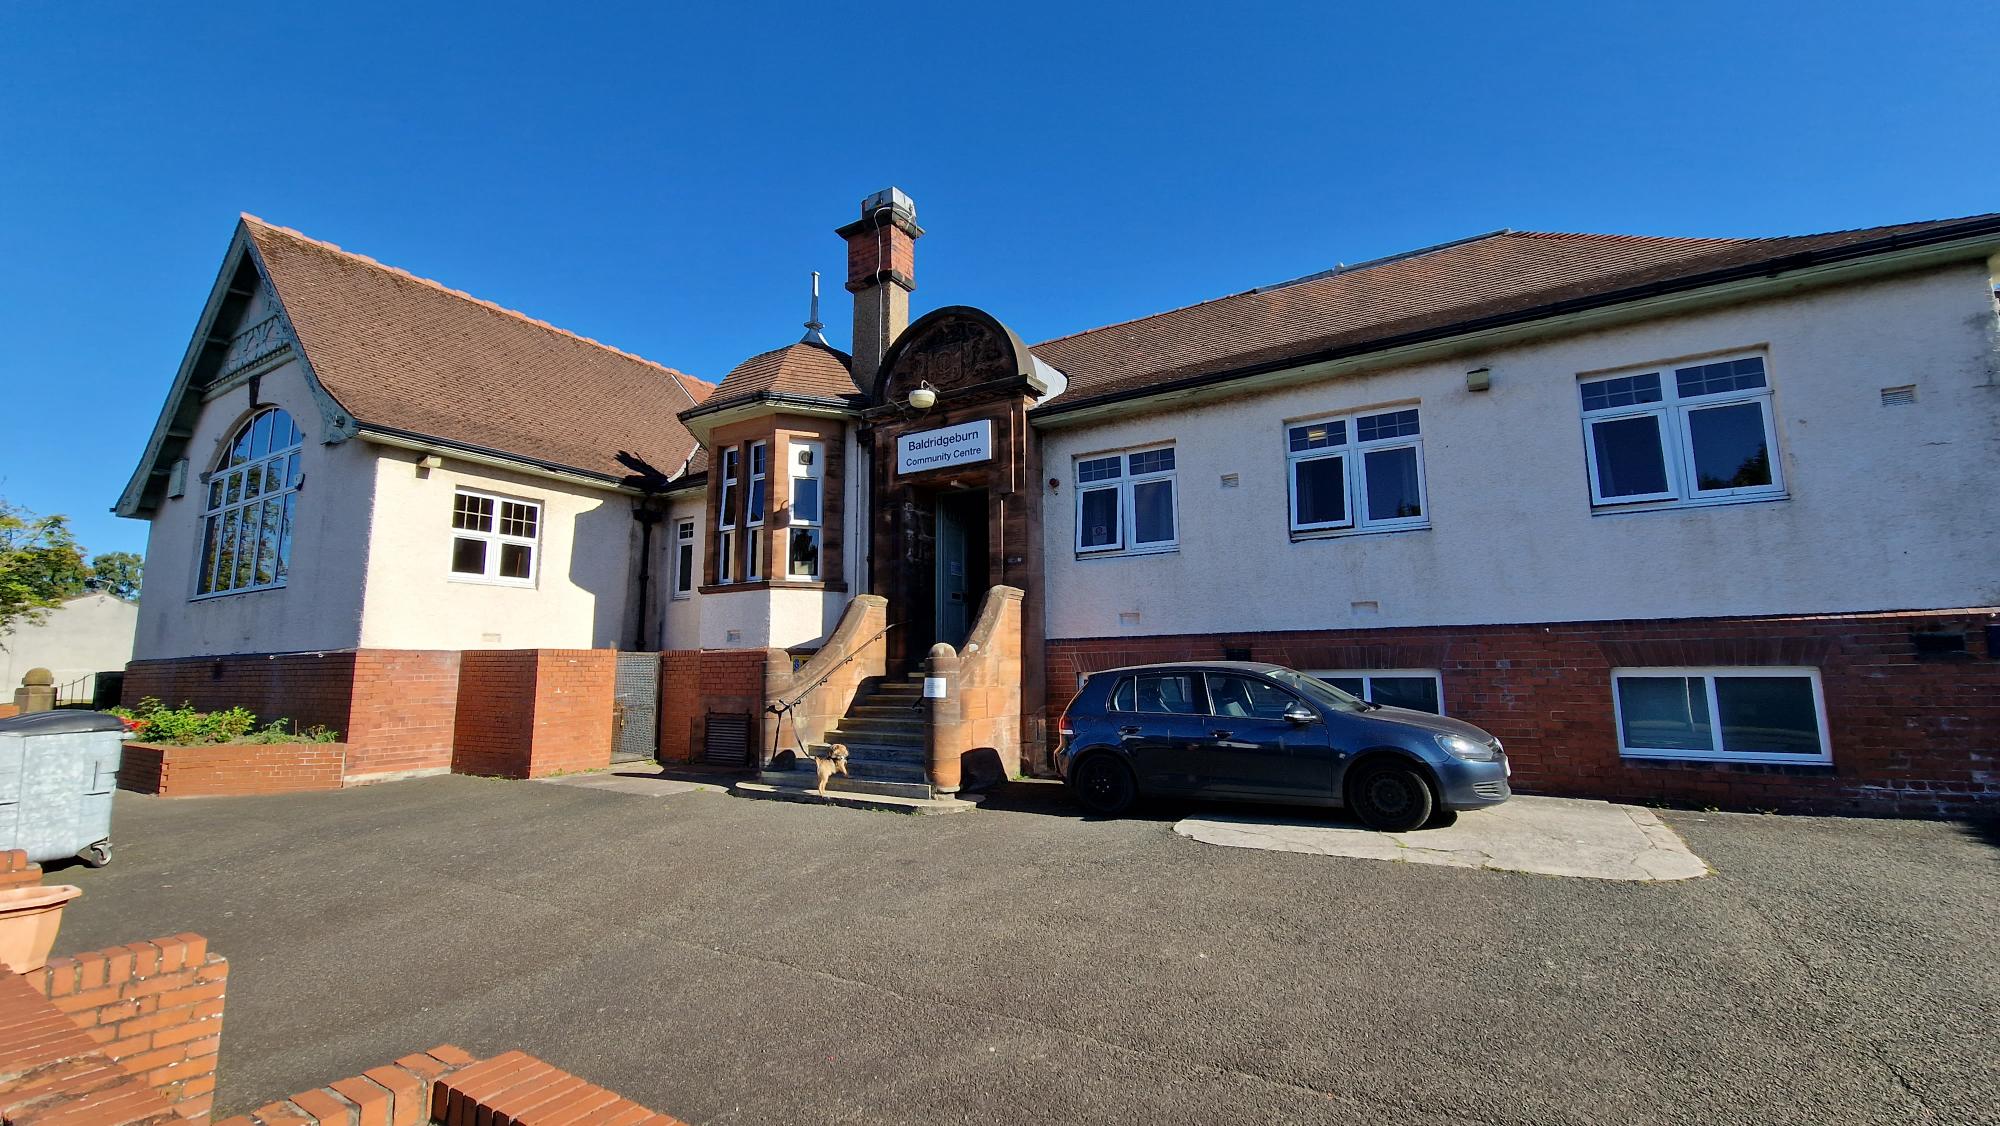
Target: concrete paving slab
x: 1548, y: 836
x: 633, y: 780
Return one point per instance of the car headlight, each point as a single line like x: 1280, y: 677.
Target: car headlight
x: 1459, y: 747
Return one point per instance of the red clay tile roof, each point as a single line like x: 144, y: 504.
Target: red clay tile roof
x: 1349, y: 310
x: 805, y: 369
x: 406, y: 353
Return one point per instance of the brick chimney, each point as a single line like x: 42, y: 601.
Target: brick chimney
x: 881, y: 272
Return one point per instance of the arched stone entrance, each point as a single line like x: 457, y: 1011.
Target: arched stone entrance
x: 955, y: 503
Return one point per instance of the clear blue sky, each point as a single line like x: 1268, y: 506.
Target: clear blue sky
x: 663, y: 177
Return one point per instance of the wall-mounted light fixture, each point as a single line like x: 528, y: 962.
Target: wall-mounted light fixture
x: 924, y: 397
x: 1055, y: 484
x: 1478, y: 379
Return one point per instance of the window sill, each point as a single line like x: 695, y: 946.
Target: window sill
x: 773, y: 584
x: 480, y: 580
x: 215, y: 594
x: 1128, y: 553
x: 1299, y: 536
x: 1696, y: 758
x: 1677, y: 505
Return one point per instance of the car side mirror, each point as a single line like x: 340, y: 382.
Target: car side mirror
x: 1300, y: 715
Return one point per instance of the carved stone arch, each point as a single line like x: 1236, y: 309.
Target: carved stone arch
x: 955, y: 348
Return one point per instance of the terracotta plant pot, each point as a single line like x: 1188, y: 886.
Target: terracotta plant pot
x: 29, y: 919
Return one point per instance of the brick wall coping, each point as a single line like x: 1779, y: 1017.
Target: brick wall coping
x: 1580, y: 623
x: 50, y: 1070
x: 153, y: 1007
x: 448, y: 1087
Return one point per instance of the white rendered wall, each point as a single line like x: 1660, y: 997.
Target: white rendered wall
x: 1889, y: 507
x: 681, y: 623
x: 776, y: 617
x: 88, y: 634
x: 320, y: 606
x: 587, y: 558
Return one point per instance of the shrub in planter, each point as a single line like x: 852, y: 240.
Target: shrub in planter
x: 154, y: 722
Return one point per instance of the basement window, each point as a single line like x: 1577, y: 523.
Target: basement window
x: 1417, y: 689
x: 494, y: 538
x: 1765, y: 715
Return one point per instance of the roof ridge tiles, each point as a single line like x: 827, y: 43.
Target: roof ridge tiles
x: 462, y: 295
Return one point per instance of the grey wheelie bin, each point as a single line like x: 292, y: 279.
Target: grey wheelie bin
x: 57, y: 772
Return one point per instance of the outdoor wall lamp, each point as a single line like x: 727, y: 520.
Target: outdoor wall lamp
x: 924, y: 397
x: 1478, y: 379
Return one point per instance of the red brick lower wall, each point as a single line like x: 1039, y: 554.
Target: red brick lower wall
x: 17, y: 871
x: 1909, y: 736
x: 695, y: 682
x: 528, y: 713
x: 393, y: 707
x: 402, y: 714
x: 231, y: 768
x: 446, y: 1085
x: 50, y: 1071
x: 154, y: 1007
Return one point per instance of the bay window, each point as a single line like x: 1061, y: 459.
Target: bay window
x: 1694, y: 434
x: 1125, y: 503
x: 725, y: 518
x: 1360, y: 472
x: 1765, y: 715
x: 803, y: 535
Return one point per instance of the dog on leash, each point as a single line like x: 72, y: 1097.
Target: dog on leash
x: 829, y: 764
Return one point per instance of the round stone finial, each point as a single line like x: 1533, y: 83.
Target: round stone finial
x: 38, y: 678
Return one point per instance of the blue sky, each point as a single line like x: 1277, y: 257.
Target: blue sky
x: 663, y: 177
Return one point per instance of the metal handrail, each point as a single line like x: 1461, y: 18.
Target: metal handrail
x: 782, y: 707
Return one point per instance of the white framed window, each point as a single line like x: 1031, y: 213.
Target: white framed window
x: 246, y: 525
x: 1417, y: 689
x: 806, y: 528
x: 494, y: 539
x: 753, y: 517
x: 684, y: 558
x: 1698, y: 433
x: 1767, y: 715
x: 1357, y: 472
x: 725, y: 518
x: 1126, y: 503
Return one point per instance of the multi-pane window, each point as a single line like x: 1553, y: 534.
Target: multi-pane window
x: 246, y: 538
x: 753, y: 517
x: 684, y: 558
x: 1687, y: 435
x: 493, y: 538
x: 806, y: 526
x: 1417, y: 689
x: 1125, y: 503
x: 1770, y: 715
x: 725, y: 518
x: 1362, y: 472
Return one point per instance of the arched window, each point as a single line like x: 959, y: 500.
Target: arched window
x: 246, y: 538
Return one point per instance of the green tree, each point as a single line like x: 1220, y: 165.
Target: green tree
x: 40, y: 565
x: 117, y: 572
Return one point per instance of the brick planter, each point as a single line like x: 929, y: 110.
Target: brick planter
x: 223, y: 769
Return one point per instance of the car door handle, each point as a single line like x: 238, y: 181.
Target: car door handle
x: 1128, y: 731
x: 1221, y: 734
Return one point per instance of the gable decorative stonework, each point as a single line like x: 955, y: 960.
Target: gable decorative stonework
x: 955, y: 349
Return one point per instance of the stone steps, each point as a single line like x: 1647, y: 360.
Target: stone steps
x: 785, y: 790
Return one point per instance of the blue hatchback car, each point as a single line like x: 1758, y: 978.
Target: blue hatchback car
x: 1247, y: 731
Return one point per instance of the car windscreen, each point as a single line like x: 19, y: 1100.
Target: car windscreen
x: 1319, y: 691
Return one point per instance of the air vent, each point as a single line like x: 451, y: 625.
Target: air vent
x: 1899, y: 396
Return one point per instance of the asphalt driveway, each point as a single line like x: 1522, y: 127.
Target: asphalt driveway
x: 731, y: 961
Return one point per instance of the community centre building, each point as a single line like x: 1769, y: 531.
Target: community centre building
x: 1683, y: 519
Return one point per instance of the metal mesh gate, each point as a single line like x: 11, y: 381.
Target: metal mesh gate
x: 635, y: 708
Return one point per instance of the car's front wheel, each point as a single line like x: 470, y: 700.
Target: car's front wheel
x: 1104, y: 786
x: 1390, y: 797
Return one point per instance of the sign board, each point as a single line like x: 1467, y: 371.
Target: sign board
x: 946, y: 446
x: 933, y: 688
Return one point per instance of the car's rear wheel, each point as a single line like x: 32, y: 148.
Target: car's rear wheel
x: 1391, y: 798
x: 1104, y: 786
